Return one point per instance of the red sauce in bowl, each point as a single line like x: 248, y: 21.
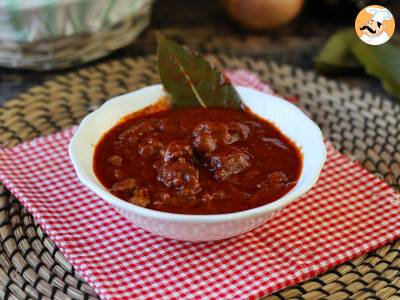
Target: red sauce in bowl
x: 197, y: 160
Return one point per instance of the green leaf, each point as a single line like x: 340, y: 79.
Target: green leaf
x: 344, y: 51
x: 382, y: 62
x: 336, y: 55
x: 191, y: 80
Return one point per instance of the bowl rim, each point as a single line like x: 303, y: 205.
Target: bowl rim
x: 191, y: 218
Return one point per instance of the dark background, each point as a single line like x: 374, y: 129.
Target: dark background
x: 204, y: 26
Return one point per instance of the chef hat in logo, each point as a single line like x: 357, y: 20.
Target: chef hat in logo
x: 379, y: 14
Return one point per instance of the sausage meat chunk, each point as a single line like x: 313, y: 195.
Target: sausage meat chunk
x: 134, y: 132
x: 204, y: 142
x: 237, y: 132
x: 176, y: 150
x: 141, y: 197
x: 125, y: 185
x: 181, y: 175
x: 274, y: 182
x: 150, y: 147
x: 115, y: 160
x: 228, y: 160
x: 208, y: 135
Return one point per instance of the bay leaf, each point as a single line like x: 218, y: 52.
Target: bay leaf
x: 191, y: 80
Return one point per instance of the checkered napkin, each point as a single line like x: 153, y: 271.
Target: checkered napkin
x: 348, y: 213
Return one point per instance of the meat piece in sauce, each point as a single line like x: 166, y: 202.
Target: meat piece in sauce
x: 204, y: 142
x: 237, y: 132
x: 141, y: 197
x: 176, y: 150
x: 150, y: 147
x: 181, y: 175
x: 125, y: 185
x: 115, y: 160
x: 165, y: 200
x: 133, y: 133
x: 217, y: 129
x: 212, y: 196
x: 274, y: 182
x: 119, y: 174
x: 207, y: 134
x: 228, y: 160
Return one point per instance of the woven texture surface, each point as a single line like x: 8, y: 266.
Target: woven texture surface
x: 357, y: 123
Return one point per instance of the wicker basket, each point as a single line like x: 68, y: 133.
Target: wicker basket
x: 76, y: 32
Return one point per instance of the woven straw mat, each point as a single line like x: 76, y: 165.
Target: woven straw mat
x: 359, y: 124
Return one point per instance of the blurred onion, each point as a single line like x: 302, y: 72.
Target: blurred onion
x: 263, y: 14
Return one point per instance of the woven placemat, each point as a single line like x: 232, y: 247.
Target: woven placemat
x: 359, y: 124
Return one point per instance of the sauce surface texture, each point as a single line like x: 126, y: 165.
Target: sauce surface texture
x: 197, y: 161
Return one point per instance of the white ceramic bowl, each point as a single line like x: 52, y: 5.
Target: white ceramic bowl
x: 287, y: 117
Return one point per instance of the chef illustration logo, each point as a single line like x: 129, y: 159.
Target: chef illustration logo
x: 375, y: 25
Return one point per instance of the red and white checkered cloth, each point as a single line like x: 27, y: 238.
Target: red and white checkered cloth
x: 348, y: 213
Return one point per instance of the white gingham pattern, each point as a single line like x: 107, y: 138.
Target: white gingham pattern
x: 348, y: 213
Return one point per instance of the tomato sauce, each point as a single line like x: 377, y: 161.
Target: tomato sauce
x: 197, y: 160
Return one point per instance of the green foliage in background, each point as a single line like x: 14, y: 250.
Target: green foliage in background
x: 345, y: 51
